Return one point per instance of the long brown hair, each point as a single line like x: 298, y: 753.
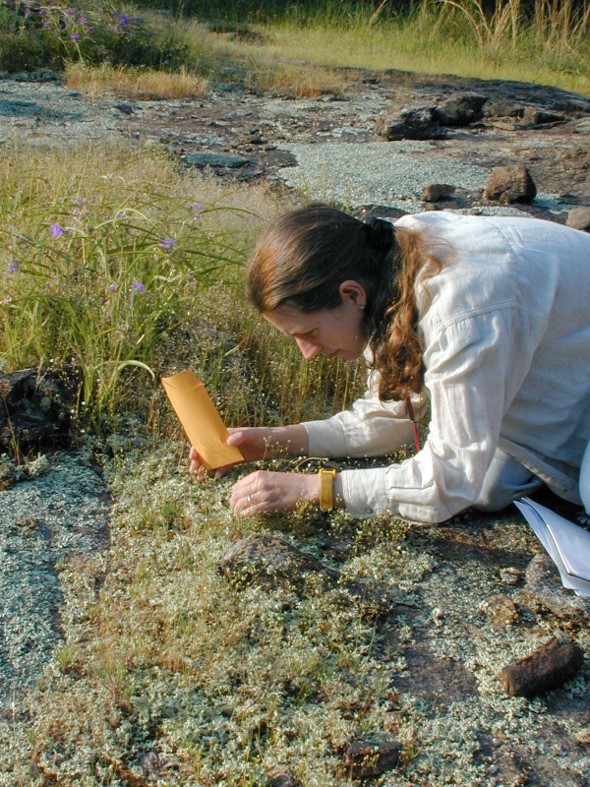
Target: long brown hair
x: 302, y: 259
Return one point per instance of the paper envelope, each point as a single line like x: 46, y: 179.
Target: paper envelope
x: 567, y: 544
x: 200, y: 419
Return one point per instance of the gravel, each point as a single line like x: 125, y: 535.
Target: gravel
x: 61, y: 509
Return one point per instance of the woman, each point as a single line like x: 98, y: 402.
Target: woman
x: 487, y: 318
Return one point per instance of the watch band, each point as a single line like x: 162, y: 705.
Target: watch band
x: 327, y: 476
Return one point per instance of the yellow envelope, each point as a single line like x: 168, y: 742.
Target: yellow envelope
x: 200, y: 419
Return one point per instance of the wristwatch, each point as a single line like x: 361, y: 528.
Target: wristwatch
x: 327, y: 476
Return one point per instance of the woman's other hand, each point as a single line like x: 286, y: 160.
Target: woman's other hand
x: 264, y: 491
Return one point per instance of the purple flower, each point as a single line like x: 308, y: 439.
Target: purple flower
x: 167, y: 244
x: 113, y: 287
x: 56, y: 230
x: 125, y: 19
x: 13, y: 267
x: 197, y: 207
x: 74, y: 36
x: 137, y: 285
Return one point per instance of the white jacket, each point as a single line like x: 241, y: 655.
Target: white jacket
x: 507, y: 358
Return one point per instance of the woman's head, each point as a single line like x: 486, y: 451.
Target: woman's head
x: 314, y: 264
x: 302, y: 260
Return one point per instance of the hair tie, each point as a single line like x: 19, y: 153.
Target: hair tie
x: 380, y: 234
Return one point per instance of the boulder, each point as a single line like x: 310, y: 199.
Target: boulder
x: 418, y: 123
x: 35, y: 408
x: 510, y: 184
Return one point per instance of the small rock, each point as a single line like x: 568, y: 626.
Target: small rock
x: 502, y: 610
x: 548, y: 668
x: 510, y: 184
x: 437, y: 192
x: 419, y: 123
x: 579, y: 218
x: 367, y: 758
x: 461, y: 110
x: 583, y: 736
x: 543, y: 584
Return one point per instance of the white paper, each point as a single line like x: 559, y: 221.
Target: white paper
x: 567, y: 544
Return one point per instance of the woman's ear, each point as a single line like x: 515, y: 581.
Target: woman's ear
x: 354, y: 291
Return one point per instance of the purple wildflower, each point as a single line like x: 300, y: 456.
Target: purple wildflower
x: 56, y: 230
x: 74, y: 36
x: 13, y: 267
x: 197, y: 207
x: 125, y: 19
x: 137, y: 285
x: 113, y: 287
x: 167, y: 244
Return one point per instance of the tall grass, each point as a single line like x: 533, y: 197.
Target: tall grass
x: 119, y: 263
x: 101, y: 257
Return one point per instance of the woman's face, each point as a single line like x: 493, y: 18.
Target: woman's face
x: 335, y: 332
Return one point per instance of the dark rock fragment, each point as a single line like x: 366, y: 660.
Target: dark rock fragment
x: 35, y: 408
x: 496, y: 108
x: 368, y: 758
x: 543, y: 585
x: 280, y: 776
x: 579, y: 218
x: 510, y: 184
x: 548, y: 668
x: 418, y: 123
x: 270, y: 561
x: 210, y: 159
x: 437, y: 192
x: 532, y: 116
x: 461, y: 110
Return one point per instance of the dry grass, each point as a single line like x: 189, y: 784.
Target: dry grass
x: 294, y: 80
x: 134, y: 83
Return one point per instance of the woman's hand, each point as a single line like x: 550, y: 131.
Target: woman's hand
x: 264, y: 491
x: 256, y: 442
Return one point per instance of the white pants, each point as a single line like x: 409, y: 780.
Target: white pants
x: 507, y: 480
x: 585, y: 480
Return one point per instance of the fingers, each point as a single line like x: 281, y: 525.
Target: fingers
x: 247, y: 497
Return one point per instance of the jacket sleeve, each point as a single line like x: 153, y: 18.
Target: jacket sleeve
x: 471, y: 377
x: 369, y: 428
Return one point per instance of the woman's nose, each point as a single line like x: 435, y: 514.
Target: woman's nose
x: 308, y: 350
